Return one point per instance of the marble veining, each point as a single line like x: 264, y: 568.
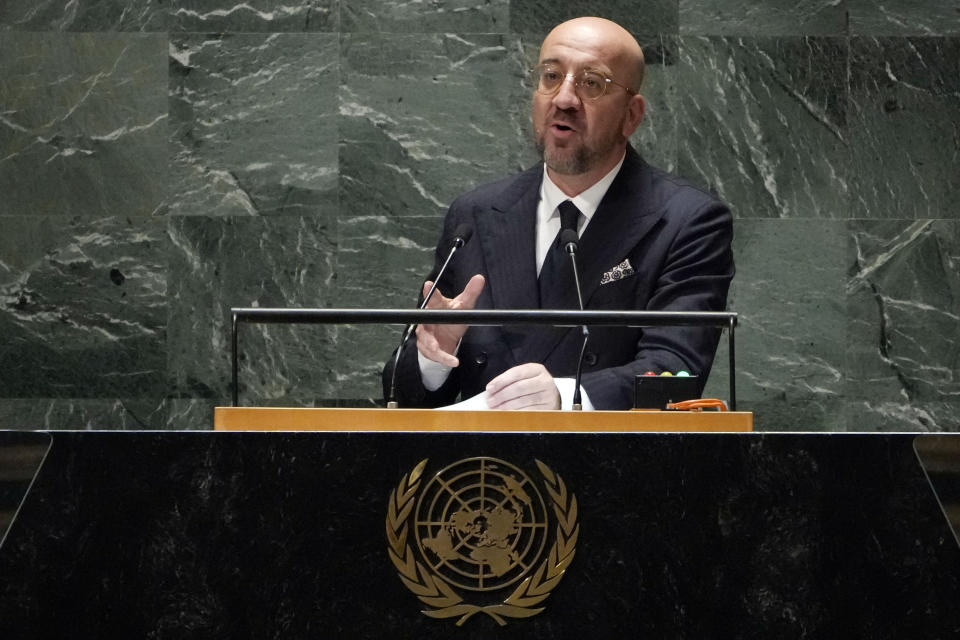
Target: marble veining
x: 756, y: 18
x: 763, y: 122
x: 904, y: 18
x: 252, y: 122
x: 656, y: 139
x: 83, y: 15
x: 471, y: 87
x: 125, y: 414
x: 452, y: 16
x: 905, y: 127
x: 904, y: 316
x: 83, y: 309
x: 649, y: 18
x: 254, y: 15
x: 82, y: 124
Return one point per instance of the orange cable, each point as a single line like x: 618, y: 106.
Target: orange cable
x: 698, y: 404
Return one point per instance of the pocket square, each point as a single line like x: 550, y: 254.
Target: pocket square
x: 619, y: 272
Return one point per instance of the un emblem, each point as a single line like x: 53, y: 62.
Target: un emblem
x: 482, y: 526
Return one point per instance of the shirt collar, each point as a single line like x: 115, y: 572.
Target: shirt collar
x: 587, y: 201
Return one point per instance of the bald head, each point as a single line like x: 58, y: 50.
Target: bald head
x: 605, y: 39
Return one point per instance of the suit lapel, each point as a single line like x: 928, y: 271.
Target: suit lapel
x: 508, y: 234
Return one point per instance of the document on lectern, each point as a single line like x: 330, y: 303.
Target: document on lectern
x: 476, y: 403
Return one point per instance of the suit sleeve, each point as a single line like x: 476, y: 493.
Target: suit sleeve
x: 694, y: 275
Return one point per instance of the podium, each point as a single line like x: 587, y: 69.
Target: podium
x: 413, y: 420
x: 310, y: 534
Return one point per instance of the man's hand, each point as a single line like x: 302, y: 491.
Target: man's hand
x: 526, y: 386
x: 437, y: 342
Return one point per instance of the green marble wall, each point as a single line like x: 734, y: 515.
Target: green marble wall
x: 162, y: 161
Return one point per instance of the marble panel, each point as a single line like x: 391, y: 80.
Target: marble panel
x: 457, y: 16
x: 233, y: 16
x: 657, y: 138
x: 219, y: 263
x: 788, y: 292
x: 763, y: 17
x: 83, y: 310
x: 904, y: 17
x: 253, y: 124
x: 82, y: 124
x: 645, y: 17
x: 84, y: 15
x: 56, y: 414
x: 905, y: 127
x: 903, y: 310
x: 424, y: 118
x: 764, y: 122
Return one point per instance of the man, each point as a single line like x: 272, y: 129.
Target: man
x: 648, y: 241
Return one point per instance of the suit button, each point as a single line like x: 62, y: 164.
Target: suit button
x: 481, y: 358
x: 590, y: 358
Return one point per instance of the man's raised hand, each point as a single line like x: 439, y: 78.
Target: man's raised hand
x: 437, y: 342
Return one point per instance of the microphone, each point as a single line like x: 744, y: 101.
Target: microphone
x: 461, y: 235
x: 571, y: 243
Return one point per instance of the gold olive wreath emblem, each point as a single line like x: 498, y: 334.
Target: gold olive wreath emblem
x: 480, y: 525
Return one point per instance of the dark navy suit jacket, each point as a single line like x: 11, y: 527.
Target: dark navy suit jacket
x: 677, y: 239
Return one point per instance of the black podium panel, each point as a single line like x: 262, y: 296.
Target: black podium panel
x: 283, y: 535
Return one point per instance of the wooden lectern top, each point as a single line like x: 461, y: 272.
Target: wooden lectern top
x: 308, y: 419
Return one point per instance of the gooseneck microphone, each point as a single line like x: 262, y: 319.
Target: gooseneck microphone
x: 570, y: 243
x: 461, y: 235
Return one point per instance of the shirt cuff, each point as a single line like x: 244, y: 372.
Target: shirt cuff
x: 566, y: 387
x: 433, y: 374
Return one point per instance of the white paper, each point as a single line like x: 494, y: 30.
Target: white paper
x: 476, y: 403
x: 565, y: 386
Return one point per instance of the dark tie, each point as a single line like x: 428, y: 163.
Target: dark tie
x: 556, y: 272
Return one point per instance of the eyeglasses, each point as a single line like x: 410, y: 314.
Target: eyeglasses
x: 590, y: 84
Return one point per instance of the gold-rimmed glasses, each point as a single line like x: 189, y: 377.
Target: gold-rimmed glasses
x: 590, y: 84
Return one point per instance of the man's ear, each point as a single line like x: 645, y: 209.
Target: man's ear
x: 636, y: 108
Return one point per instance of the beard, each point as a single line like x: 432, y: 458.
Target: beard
x: 568, y: 162
x: 576, y: 160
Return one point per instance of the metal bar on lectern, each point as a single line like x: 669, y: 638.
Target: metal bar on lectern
x: 478, y: 317
x: 484, y: 317
x: 733, y: 365
x: 233, y: 360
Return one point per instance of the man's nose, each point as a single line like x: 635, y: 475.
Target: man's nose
x: 566, y: 96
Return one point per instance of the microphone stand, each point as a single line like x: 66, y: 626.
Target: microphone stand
x: 570, y: 243
x: 461, y: 236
